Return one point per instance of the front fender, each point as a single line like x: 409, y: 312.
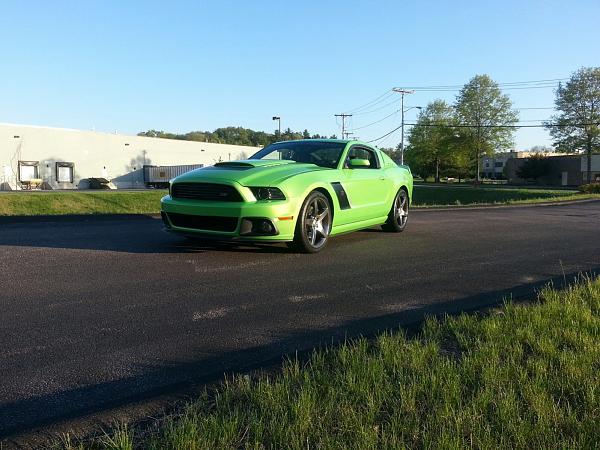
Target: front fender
x: 299, y: 189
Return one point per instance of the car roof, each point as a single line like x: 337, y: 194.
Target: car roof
x: 341, y: 141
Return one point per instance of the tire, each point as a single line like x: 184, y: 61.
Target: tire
x: 398, y: 215
x: 313, y: 225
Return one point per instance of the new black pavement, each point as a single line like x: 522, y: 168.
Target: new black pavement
x: 97, y: 314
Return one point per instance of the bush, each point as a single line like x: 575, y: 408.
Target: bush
x: 592, y: 188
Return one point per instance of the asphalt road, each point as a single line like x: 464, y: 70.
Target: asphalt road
x: 99, y: 313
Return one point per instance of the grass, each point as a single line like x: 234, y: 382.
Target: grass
x: 525, y: 376
x: 147, y: 202
x: 82, y: 202
x: 427, y: 196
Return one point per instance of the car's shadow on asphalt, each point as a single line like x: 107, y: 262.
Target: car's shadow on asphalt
x: 136, y: 234
x: 132, y: 234
x: 188, y: 378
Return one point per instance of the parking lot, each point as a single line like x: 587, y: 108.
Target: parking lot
x: 100, y: 313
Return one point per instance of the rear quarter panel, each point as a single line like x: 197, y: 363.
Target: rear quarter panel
x: 400, y: 175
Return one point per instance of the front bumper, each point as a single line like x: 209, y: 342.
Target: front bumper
x: 230, y: 220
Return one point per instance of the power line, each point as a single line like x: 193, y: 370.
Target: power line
x: 373, y: 102
x: 505, y: 126
x: 385, y: 135
x: 512, y: 83
x: 546, y: 107
x: 377, y: 109
x: 397, y: 111
x: 377, y: 121
x: 509, y: 88
x: 487, y: 126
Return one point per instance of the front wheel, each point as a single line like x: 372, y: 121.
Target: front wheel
x: 398, y: 215
x: 314, y: 224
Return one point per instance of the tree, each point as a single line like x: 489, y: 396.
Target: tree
x: 233, y: 135
x: 429, y: 140
x: 577, y: 126
x: 484, y: 112
x: 541, y: 149
x: 534, y: 167
x: 458, y: 163
x: 394, y: 153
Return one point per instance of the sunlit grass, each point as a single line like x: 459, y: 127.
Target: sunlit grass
x: 88, y: 202
x: 424, y: 196
x: 525, y: 376
x: 148, y: 202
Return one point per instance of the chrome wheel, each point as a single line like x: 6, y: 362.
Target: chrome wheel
x: 401, y: 208
x: 398, y: 215
x: 317, y: 221
x: 314, y: 224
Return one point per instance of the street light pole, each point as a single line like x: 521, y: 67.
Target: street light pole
x: 402, y: 92
x: 278, y: 119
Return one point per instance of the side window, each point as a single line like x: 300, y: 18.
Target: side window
x: 363, y: 153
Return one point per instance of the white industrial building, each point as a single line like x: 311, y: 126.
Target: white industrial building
x: 56, y: 158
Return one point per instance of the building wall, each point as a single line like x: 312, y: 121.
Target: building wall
x: 570, y: 165
x: 595, y: 167
x: 493, y: 166
x: 119, y: 158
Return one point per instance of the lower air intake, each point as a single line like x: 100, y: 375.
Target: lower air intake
x: 207, y: 223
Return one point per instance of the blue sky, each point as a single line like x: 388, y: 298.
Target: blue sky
x: 189, y: 65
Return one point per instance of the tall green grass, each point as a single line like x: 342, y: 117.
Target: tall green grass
x: 521, y: 377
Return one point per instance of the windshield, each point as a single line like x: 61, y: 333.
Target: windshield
x: 324, y: 154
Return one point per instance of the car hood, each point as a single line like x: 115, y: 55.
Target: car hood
x: 254, y: 172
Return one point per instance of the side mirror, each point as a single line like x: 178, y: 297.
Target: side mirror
x: 358, y: 163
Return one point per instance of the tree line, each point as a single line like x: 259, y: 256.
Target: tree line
x: 450, y: 139
x: 236, y: 136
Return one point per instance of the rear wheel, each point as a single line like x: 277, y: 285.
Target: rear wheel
x: 398, y: 215
x: 314, y: 224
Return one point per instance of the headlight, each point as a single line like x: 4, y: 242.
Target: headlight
x: 267, y: 193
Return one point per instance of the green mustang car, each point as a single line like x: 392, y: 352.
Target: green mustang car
x: 300, y: 192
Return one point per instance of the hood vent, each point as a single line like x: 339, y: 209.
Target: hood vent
x: 234, y: 165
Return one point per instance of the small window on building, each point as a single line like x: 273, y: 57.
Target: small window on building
x: 487, y: 164
x: 499, y: 164
x: 64, y: 172
x: 28, y: 170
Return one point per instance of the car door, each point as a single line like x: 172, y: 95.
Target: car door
x: 366, y: 187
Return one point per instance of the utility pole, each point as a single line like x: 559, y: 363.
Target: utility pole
x: 343, y: 116
x: 402, y: 92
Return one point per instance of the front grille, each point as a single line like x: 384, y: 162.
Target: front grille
x: 206, y: 191
x: 208, y: 223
